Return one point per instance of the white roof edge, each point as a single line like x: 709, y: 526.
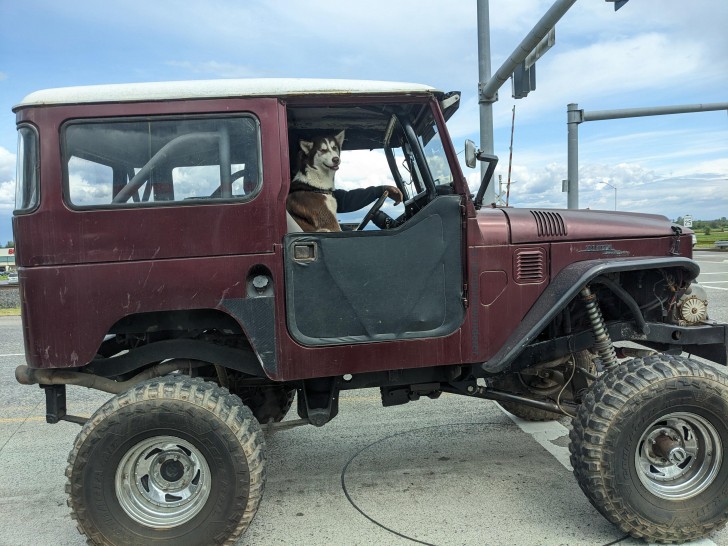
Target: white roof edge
x: 200, y: 89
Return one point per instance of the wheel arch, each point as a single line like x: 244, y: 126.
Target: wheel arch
x: 170, y: 337
x: 563, y: 289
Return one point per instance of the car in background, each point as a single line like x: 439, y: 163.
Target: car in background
x: 12, y: 277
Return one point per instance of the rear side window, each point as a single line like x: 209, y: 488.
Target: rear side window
x: 26, y: 185
x: 138, y: 162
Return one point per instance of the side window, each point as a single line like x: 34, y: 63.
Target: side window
x: 26, y: 186
x: 137, y: 162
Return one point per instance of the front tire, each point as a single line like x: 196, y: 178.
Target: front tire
x: 171, y: 461
x: 647, y: 447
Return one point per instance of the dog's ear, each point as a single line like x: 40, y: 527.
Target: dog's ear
x: 340, y: 139
x: 306, y: 146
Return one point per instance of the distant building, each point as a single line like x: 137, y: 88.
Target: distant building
x: 7, y: 258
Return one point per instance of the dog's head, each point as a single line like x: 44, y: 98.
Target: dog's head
x: 322, y: 154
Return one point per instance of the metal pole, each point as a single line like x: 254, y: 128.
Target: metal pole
x: 527, y: 45
x: 598, y: 115
x: 574, y: 118
x: 510, y: 156
x: 486, y: 108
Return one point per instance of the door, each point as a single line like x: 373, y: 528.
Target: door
x: 365, y: 286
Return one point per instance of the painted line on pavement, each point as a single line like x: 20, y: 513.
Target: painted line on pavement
x: 22, y: 419
x: 544, y: 432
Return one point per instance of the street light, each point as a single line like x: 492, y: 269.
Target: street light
x: 615, y: 192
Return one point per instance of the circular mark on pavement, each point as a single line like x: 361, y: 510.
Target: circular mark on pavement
x: 397, y: 481
x: 448, y: 484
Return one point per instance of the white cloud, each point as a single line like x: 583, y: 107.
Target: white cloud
x: 361, y: 169
x: 7, y: 180
x: 639, y: 189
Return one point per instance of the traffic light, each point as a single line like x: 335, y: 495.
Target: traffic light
x: 523, y: 80
x: 618, y: 3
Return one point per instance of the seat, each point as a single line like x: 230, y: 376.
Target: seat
x: 293, y: 227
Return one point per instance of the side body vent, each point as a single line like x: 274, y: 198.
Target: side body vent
x: 549, y: 224
x: 529, y: 265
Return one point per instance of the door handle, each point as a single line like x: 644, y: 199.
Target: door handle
x: 305, y: 252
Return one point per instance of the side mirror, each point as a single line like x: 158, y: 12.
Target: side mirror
x: 470, y: 154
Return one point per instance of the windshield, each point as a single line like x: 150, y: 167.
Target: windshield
x: 424, y: 161
x: 435, y: 155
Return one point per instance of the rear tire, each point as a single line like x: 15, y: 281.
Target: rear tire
x: 173, y: 461
x: 648, y: 444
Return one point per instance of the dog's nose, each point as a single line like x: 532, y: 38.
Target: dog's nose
x: 335, y: 160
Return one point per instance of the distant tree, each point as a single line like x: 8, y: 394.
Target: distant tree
x: 707, y: 230
x: 10, y: 244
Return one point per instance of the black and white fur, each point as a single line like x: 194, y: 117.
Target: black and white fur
x: 311, y: 202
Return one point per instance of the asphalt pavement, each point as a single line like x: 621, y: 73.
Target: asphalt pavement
x: 450, y: 471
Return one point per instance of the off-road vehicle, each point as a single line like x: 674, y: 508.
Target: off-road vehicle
x: 156, y: 264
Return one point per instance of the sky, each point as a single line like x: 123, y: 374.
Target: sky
x: 649, y: 53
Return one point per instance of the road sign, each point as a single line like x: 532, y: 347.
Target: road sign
x: 687, y: 221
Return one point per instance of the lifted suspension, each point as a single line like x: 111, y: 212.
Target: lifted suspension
x: 603, y: 343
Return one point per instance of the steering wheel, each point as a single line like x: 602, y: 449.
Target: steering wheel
x: 372, y: 211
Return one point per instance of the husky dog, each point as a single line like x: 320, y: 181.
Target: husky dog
x: 311, y: 200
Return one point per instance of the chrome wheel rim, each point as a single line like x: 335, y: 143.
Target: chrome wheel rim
x: 162, y: 482
x: 678, y: 456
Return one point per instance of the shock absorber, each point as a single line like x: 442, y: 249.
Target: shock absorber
x: 603, y: 343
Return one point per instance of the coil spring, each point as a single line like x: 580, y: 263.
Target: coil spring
x: 602, y: 341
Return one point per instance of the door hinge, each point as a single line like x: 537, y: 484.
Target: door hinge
x: 466, y: 303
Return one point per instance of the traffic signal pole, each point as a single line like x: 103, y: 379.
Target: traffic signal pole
x: 488, y: 85
x: 486, y: 107
x: 575, y: 116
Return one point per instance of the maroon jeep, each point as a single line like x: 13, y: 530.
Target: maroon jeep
x: 156, y: 264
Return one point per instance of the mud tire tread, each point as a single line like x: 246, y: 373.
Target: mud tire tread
x: 180, y: 392
x: 625, y: 390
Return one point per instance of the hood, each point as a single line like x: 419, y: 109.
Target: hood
x: 541, y: 225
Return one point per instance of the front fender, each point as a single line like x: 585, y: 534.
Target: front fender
x: 563, y: 289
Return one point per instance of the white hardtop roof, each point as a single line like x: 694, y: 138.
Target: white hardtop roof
x: 202, y: 89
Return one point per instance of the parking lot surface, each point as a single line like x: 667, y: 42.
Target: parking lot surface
x: 450, y: 471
